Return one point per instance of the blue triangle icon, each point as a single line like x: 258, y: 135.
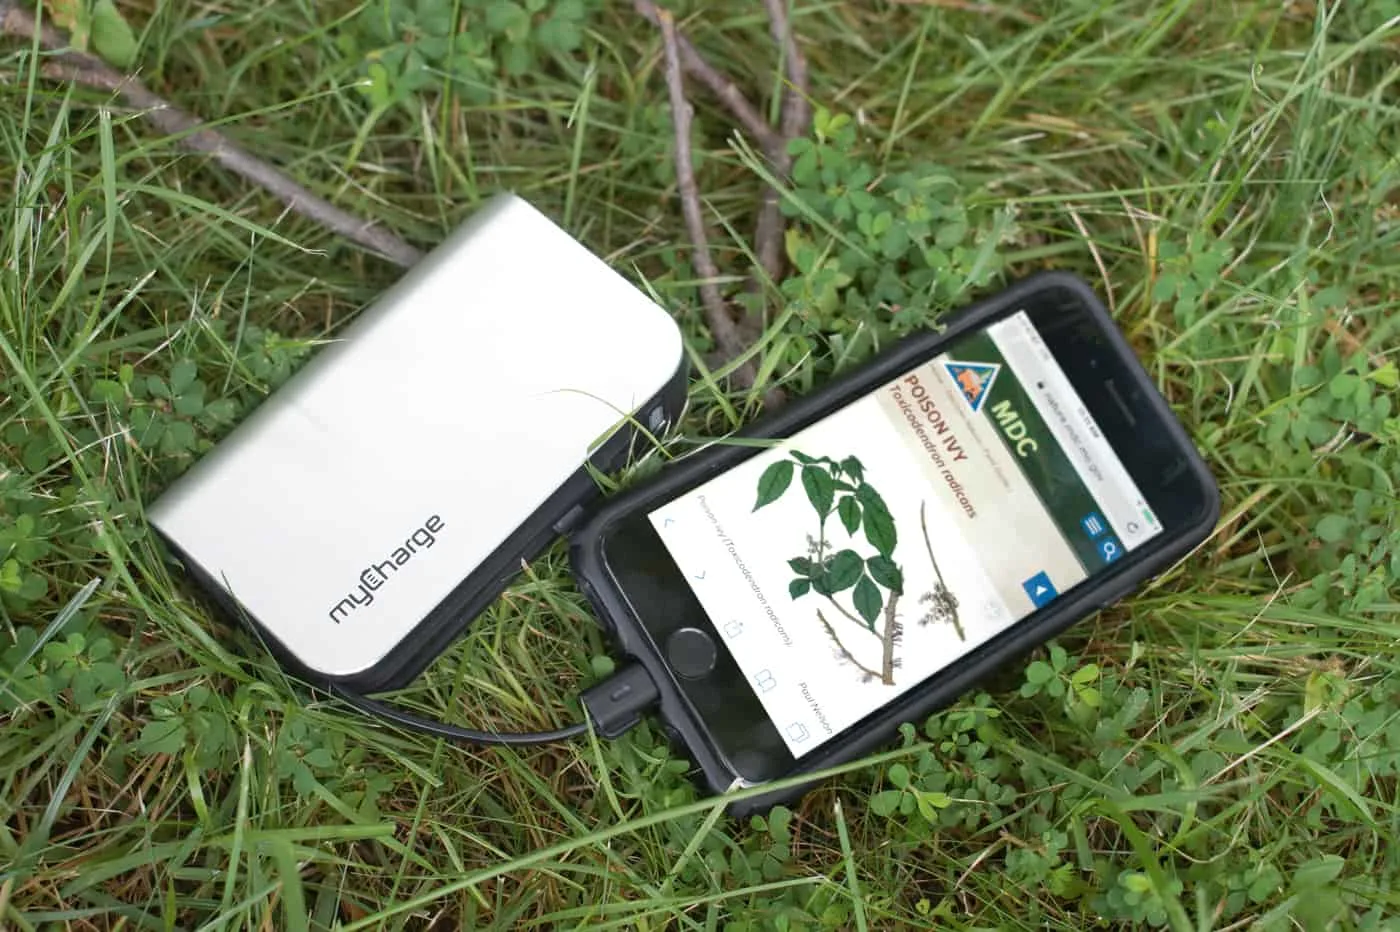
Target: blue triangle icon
x: 974, y: 380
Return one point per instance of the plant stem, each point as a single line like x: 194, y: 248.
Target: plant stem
x: 923, y: 525
x: 854, y: 620
x: 953, y: 611
x: 957, y: 625
x: 831, y: 632
x: 887, y: 660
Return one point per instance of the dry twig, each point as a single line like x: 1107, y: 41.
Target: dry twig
x: 67, y: 64
x: 722, y: 326
x: 796, y: 115
x: 720, y: 85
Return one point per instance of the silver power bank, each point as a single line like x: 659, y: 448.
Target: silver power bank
x: 384, y: 494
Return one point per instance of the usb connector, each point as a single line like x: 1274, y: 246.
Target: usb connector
x: 616, y: 704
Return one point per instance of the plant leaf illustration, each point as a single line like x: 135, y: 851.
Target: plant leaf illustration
x: 852, y: 583
x: 845, y: 568
x: 773, y: 483
x: 884, y: 571
x: 879, y: 526
x: 867, y: 600
x: 849, y: 510
x: 821, y: 488
x: 801, y: 566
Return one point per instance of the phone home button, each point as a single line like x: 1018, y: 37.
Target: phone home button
x: 691, y: 653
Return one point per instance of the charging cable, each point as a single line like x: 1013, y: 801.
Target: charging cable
x: 612, y: 706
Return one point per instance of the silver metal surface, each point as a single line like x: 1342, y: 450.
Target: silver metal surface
x: 358, y: 495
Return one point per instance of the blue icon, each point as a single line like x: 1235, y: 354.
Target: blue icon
x: 1110, y: 549
x: 1093, y: 524
x: 1040, y: 589
x: 974, y: 380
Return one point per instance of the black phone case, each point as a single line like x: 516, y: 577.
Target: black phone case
x: 618, y: 621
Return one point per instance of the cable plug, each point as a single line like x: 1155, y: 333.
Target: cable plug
x: 616, y: 704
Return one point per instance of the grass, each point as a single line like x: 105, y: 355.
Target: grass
x: 1218, y: 752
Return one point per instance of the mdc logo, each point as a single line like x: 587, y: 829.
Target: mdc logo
x: 974, y: 380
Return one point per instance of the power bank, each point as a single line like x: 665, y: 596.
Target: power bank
x: 385, y: 494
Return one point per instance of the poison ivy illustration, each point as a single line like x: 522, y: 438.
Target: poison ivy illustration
x: 860, y: 587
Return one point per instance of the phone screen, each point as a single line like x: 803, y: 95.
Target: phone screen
x: 847, y: 563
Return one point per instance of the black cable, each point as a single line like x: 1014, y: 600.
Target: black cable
x: 613, y: 706
x: 406, y: 719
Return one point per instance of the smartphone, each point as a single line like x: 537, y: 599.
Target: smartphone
x: 873, y: 550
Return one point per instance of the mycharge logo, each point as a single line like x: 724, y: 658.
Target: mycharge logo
x: 377, y: 574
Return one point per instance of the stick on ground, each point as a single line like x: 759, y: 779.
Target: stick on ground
x: 68, y: 64
x: 796, y: 115
x: 718, y: 83
x: 727, y: 339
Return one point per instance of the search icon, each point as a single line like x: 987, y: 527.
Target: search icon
x: 1110, y: 550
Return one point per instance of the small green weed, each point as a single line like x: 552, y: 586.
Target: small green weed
x: 406, y: 47
x: 194, y: 721
x: 79, y: 668
x: 879, y: 253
